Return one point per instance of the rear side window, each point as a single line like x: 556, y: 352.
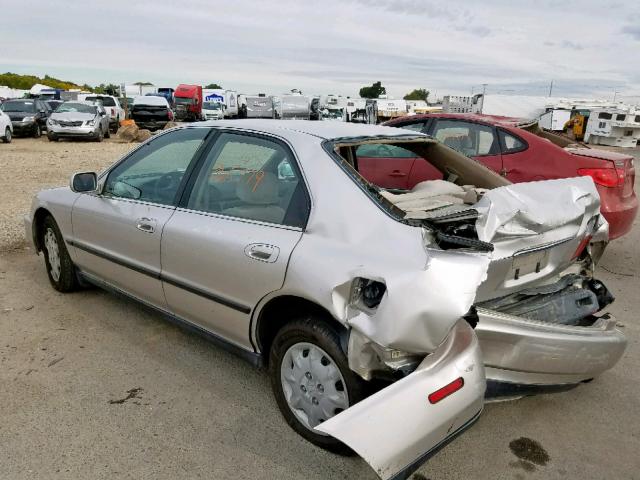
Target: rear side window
x: 380, y: 150
x: 470, y: 139
x: 251, y: 177
x: 511, y: 143
x: 416, y: 127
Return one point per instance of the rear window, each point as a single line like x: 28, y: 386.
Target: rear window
x: 605, y: 116
x: 19, y: 106
x: 106, y: 101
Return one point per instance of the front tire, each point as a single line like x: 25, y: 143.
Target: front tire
x: 99, y: 135
x: 107, y: 132
x: 60, y: 268
x: 7, y: 136
x: 311, y: 379
x: 38, y: 132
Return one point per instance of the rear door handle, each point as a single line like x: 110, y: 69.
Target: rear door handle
x: 262, y: 252
x: 147, y: 225
x: 397, y: 173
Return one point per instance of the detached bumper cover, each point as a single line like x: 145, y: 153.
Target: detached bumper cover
x: 530, y: 352
x: 398, y: 429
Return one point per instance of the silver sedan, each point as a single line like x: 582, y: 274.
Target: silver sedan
x: 78, y: 120
x: 266, y: 237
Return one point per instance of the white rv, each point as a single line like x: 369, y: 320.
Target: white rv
x: 618, y: 127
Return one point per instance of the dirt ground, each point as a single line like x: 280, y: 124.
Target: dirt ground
x: 93, y: 386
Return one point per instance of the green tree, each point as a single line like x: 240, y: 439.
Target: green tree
x: 417, y: 94
x: 108, y: 89
x: 374, y: 91
x: 213, y: 85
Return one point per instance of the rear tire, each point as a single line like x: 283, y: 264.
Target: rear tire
x: 107, y: 132
x: 7, y: 136
x: 311, y: 379
x: 60, y: 268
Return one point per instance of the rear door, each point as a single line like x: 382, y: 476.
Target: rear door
x: 474, y: 140
x: 228, y: 243
x: 116, y: 234
x: 520, y: 164
x: 386, y: 166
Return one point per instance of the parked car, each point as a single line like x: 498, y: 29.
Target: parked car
x: 269, y: 241
x: 28, y: 116
x: 151, y: 112
x: 78, y: 120
x: 520, y: 155
x: 113, y: 108
x: 6, y: 128
x: 188, y: 102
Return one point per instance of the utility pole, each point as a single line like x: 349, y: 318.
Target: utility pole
x: 484, y: 88
x: 551, y: 88
x: 615, y: 93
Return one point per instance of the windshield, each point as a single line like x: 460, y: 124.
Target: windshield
x: 19, y: 106
x: 332, y: 114
x: 183, y: 101
x: 106, y: 101
x: 76, y: 107
x: 212, y: 106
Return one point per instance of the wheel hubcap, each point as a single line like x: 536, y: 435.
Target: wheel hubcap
x: 313, y: 386
x: 53, y: 253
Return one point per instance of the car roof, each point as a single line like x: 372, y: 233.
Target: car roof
x: 473, y: 117
x: 320, y: 129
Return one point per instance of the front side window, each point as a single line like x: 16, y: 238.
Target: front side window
x: 470, y: 139
x: 154, y: 172
x: 253, y: 178
x: 416, y: 127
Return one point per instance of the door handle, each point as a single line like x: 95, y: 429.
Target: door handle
x: 147, y: 225
x: 397, y: 173
x: 262, y: 252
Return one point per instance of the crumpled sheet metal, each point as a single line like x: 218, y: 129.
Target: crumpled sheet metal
x: 507, y: 211
x: 420, y: 307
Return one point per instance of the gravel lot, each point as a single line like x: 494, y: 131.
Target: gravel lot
x: 95, y: 386
x: 29, y: 165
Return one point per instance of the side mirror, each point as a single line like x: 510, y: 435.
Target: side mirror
x: 102, y: 114
x: 84, y: 182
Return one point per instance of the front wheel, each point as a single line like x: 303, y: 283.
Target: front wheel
x: 7, y: 135
x: 38, y: 132
x: 311, y: 379
x: 107, y: 132
x: 60, y: 269
x: 99, y: 135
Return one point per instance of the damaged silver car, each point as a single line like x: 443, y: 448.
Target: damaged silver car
x: 377, y: 312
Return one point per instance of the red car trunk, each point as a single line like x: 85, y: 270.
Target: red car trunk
x: 520, y: 156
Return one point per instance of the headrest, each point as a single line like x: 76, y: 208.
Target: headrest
x: 258, y: 188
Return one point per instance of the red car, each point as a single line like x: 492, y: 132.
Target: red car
x: 506, y: 147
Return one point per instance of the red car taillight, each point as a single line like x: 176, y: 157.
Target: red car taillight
x: 113, y: 112
x: 607, y: 177
x: 170, y: 115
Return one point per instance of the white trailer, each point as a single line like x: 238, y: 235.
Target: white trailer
x: 229, y: 98
x: 293, y: 107
x: 554, y: 119
x: 138, y: 90
x: 618, y: 127
x: 260, y: 106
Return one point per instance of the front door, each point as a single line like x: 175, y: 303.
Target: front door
x: 228, y: 243
x: 116, y: 234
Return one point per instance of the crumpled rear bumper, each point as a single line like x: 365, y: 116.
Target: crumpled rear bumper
x: 398, y: 428
x: 530, y: 352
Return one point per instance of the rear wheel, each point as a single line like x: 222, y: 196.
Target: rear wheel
x: 107, y: 132
x: 7, y: 135
x: 311, y: 379
x: 60, y: 269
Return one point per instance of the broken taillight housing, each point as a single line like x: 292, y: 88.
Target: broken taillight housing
x: 445, y: 391
x: 581, y: 246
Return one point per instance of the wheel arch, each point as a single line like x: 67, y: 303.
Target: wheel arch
x: 283, y: 309
x: 38, y: 224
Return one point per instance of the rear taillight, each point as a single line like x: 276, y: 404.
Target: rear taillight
x: 447, y: 390
x: 170, y: 115
x: 113, y: 112
x: 607, y: 177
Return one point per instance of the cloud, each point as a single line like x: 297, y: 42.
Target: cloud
x: 633, y: 30
x: 335, y: 47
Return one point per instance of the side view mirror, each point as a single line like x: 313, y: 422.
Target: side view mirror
x: 102, y: 114
x: 84, y: 182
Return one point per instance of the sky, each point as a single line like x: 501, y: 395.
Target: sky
x: 589, y: 48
